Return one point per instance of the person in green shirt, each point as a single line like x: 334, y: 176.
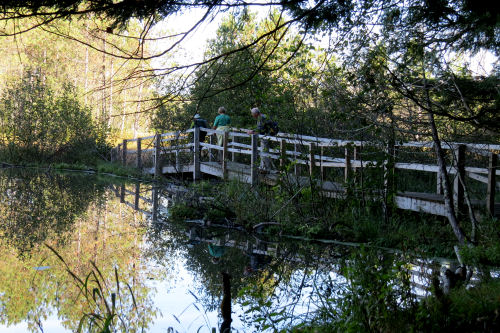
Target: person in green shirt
x: 221, y: 123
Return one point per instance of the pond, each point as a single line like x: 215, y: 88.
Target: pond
x: 79, y: 248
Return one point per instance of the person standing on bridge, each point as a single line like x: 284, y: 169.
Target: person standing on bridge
x: 221, y: 123
x: 263, y: 128
x: 198, y: 121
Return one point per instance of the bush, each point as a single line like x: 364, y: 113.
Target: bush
x: 39, y: 125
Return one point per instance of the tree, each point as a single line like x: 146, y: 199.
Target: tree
x: 37, y: 124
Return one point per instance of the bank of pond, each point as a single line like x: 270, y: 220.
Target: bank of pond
x: 89, y: 253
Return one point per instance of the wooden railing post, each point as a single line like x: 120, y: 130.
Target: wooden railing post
x: 122, y: 194
x: 177, y: 160
x: 225, y: 143
x: 296, y: 168
x: 311, y: 159
x: 388, y: 178
x: 254, y: 159
x: 210, y: 140
x: 124, y: 153
x: 118, y: 152
x: 233, y: 154
x: 282, y: 152
x: 355, y: 156
x: 458, y: 189
x: 348, y: 166
x: 490, y: 196
x: 157, y: 151
x: 196, y: 154
x: 139, y: 154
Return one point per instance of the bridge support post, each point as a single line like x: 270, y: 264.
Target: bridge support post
x: 122, y: 194
x: 139, y: 154
x: 348, y: 166
x: 157, y: 166
x: 282, y: 152
x: 311, y: 159
x: 458, y: 189
x: 254, y: 159
x: 296, y: 166
x: 389, y: 162
x: 118, y: 152
x: 490, y: 196
x: 124, y: 152
x: 225, y: 154
x: 355, y: 156
x: 211, y: 141
x: 137, y: 194
x: 196, y: 156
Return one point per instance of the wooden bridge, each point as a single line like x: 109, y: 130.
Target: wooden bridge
x: 336, y: 167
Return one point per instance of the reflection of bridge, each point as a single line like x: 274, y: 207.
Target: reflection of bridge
x: 318, y: 161
x: 152, y: 202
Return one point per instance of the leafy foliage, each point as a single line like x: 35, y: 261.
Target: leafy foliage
x: 39, y: 125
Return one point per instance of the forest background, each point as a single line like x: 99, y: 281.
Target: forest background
x: 346, y: 70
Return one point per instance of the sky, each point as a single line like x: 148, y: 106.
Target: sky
x: 192, y: 47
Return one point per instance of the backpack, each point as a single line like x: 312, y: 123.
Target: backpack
x: 271, y: 127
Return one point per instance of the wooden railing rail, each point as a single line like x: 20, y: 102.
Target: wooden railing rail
x: 316, y: 153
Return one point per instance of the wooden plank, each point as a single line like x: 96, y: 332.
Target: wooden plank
x: 477, y: 177
x: 173, y: 169
x: 416, y: 167
x: 419, y: 205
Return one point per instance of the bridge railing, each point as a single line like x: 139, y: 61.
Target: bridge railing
x: 313, y: 156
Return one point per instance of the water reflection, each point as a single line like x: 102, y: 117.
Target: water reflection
x: 183, y: 276
x: 39, y: 206
x: 72, y: 213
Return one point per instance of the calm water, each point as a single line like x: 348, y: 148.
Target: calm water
x: 164, y: 277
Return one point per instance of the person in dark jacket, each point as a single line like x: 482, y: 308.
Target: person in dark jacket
x: 198, y: 121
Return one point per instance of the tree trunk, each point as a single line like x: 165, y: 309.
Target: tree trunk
x: 448, y: 200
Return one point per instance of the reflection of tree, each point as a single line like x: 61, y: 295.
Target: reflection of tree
x: 106, y: 233
x: 257, y: 279
x: 359, y: 292
x: 37, y: 206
